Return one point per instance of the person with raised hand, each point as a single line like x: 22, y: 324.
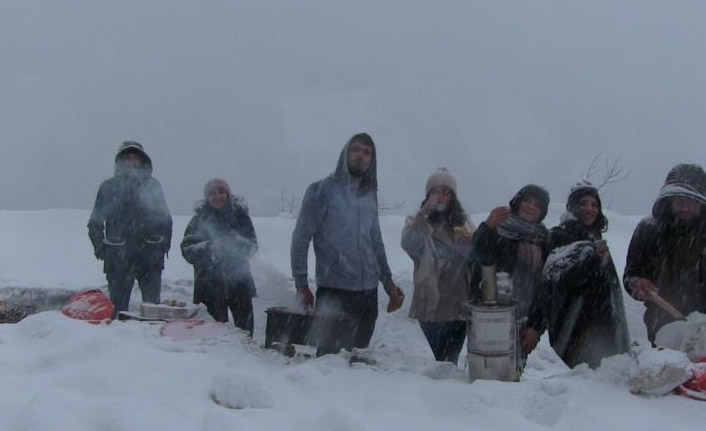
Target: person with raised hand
x: 438, y: 239
x: 514, y: 240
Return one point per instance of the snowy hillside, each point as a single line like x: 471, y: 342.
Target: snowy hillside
x: 60, y: 374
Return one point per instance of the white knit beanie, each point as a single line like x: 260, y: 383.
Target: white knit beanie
x: 442, y: 177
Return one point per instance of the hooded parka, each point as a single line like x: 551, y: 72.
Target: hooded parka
x: 669, y: 252
x: 130, y: 228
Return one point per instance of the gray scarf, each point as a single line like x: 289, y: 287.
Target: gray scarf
x: 531, y: 238
x: 516, y: 229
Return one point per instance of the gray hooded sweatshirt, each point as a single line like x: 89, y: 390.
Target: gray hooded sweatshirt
x: 343, y: 222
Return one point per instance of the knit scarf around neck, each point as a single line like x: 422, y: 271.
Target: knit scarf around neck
x: 516, y: 229
x: 531, y: 238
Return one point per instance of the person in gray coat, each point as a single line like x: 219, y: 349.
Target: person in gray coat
x: 340, y: 214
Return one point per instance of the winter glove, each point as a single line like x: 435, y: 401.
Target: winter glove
x: 99, y: 252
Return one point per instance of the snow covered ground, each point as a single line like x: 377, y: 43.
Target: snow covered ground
x: 61, y: 374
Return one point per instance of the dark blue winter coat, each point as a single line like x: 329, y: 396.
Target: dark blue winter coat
x: 130, y: 221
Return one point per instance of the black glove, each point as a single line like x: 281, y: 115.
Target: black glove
x: 98, y: 251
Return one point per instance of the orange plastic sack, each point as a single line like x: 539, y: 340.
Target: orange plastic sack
x: 92, y: 306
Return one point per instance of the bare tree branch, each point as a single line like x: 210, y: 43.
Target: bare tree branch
x: 591, y: 169
x: 611, y: 173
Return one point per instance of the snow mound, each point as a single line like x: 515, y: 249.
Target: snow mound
x: 659, y: 371
x: 237, y: 391
x: 547, y: 404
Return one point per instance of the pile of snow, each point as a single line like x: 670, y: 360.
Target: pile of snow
x: 62, y: 374
x: 240, y: 391
x: 659, y: 371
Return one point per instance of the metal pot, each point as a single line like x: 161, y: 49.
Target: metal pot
x: 288, y: 326
x: 493, y: 341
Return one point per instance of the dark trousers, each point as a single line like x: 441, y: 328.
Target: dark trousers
x: 121, y: 280
x: 240, y: 304
x: 445, y: 339
x: 359, y: 306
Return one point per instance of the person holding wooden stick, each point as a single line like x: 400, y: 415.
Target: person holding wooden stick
x: 666, y: 260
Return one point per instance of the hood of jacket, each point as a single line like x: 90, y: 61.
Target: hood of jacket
x: 342, y: 174
x: 684, y: 180
x: 533, y: 190
x: 143, y: 171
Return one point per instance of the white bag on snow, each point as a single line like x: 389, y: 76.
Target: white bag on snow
x: 687, y: 336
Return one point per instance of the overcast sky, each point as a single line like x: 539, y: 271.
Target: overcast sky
x: 265, y: 94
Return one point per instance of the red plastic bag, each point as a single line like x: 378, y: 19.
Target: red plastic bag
x: 696, y: 387
x: 91, y: 305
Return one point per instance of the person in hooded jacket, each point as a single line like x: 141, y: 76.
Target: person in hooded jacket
x: 666, y: 255
x: 438, y: 239
x: 340, y: 214
x: 130, y: 228
x: 514, y: 240
x: 219, y: 242
x: 580, y: 297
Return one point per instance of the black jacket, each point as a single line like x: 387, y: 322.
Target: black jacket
x: 671, y: 254
x: 493, y: 249
x: 215, y: 272
x: 130, y: 221
x: 580, y: 298
x: 674, y: 258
